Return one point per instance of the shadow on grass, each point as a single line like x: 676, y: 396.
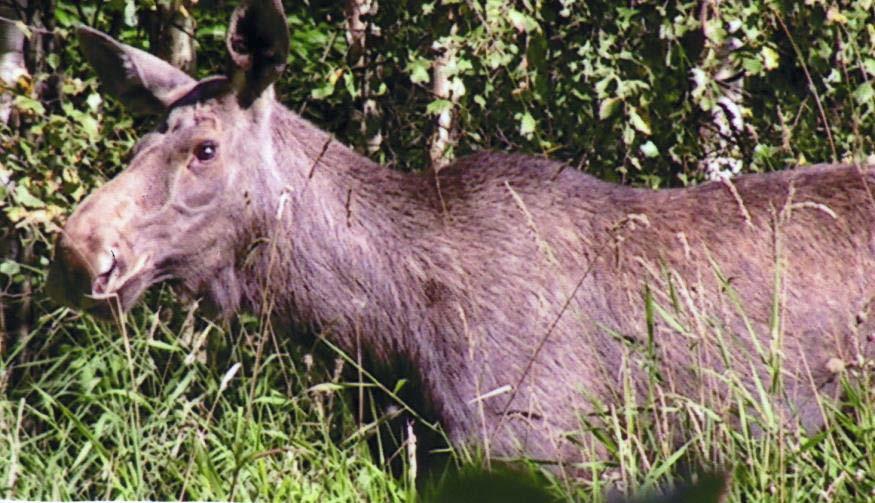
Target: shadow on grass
x: 506, y: 484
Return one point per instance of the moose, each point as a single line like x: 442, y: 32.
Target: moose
x: 522, y: 297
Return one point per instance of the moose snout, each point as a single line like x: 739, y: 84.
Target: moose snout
x: 80, y: 274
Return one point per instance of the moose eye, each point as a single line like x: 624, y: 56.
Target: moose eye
x: 206, y: 151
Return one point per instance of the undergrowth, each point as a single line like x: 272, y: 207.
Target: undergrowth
x: 168, y: 406
x: 95, y: 412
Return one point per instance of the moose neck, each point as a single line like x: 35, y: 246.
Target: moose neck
x: 338, y: 228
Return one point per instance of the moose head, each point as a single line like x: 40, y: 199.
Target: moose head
x: 175, y: 212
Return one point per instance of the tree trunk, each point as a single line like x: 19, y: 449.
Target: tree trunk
x: 12, y: 65
x: 13, y: 314
x: 357, y: 31
x: 443, y: 139
x: 723, y: 157
x: 171, y: 30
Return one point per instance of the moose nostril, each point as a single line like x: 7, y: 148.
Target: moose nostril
x: 107, y: 264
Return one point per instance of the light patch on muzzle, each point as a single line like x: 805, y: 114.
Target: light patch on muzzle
x: 115, y: 283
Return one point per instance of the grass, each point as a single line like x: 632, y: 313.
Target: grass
x: 170, y: 406
x: 93, y: 413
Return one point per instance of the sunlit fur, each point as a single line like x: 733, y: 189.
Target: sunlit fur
x: 464, y: 272
x: 511, y: 288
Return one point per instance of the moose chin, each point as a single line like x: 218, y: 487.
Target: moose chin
x: 519, y: 295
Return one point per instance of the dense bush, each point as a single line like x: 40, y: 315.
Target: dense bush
x: 624, y: 91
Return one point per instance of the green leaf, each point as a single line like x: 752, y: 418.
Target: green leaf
x: 323, y: 91
x: 63, y: 17
x: 53, y: 60
x: 608, y: 107
x: 90, y: 126
x: 628, y: 135
x: 325, y: 387
x: 714, y: 31
x: 527, y: 124
x: 771, y: 58
x: 863, y: 94
x: 273, y: 400
x: 162, y: 346
x: 752, y: 66
x: 349, y: 84
x: 649, y: 149
x: 457, y: 87
x: 399, y: 385
x: 93, y: 101
x: 520, y: 21
x: 215, y: 31
x: 418, y: 70
x: 438, y: 107
x: 637, y: 122
x: 26, y: 199
x: 72, y: 86
x: 9, y: 268
x: 27, y: 104
x: 310, y: 37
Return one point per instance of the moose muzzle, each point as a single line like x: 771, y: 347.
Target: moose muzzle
x: 92, y: 267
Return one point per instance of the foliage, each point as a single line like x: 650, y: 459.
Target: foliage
x: 596, y: 83
x: 141, y: 415
x: 625, y: 90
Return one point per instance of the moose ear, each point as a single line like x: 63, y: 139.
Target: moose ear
x: 143, y: 82
x: 258, y: 42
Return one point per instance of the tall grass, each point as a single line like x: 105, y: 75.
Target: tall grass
x: 167, y: 405
x: 94, y: 412
x: 735, y: 423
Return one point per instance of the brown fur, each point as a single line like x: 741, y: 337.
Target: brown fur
x: 498, y: 272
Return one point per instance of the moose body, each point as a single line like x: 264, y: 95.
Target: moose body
x: 515, y: 289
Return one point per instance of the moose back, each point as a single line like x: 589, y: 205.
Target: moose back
x: 525, y: 297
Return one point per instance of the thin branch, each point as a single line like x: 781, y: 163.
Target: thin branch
x: 810, y: 84
x: 14, y: 5
x: 81, y: 13
x: 30, y: 28
x: 96, y: 12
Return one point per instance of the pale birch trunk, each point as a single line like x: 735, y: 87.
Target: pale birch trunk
x: 171, y: 34
x: 12, y: 62
x: 443, y: 138
x: 722, y: 153
x: 357, y: 31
